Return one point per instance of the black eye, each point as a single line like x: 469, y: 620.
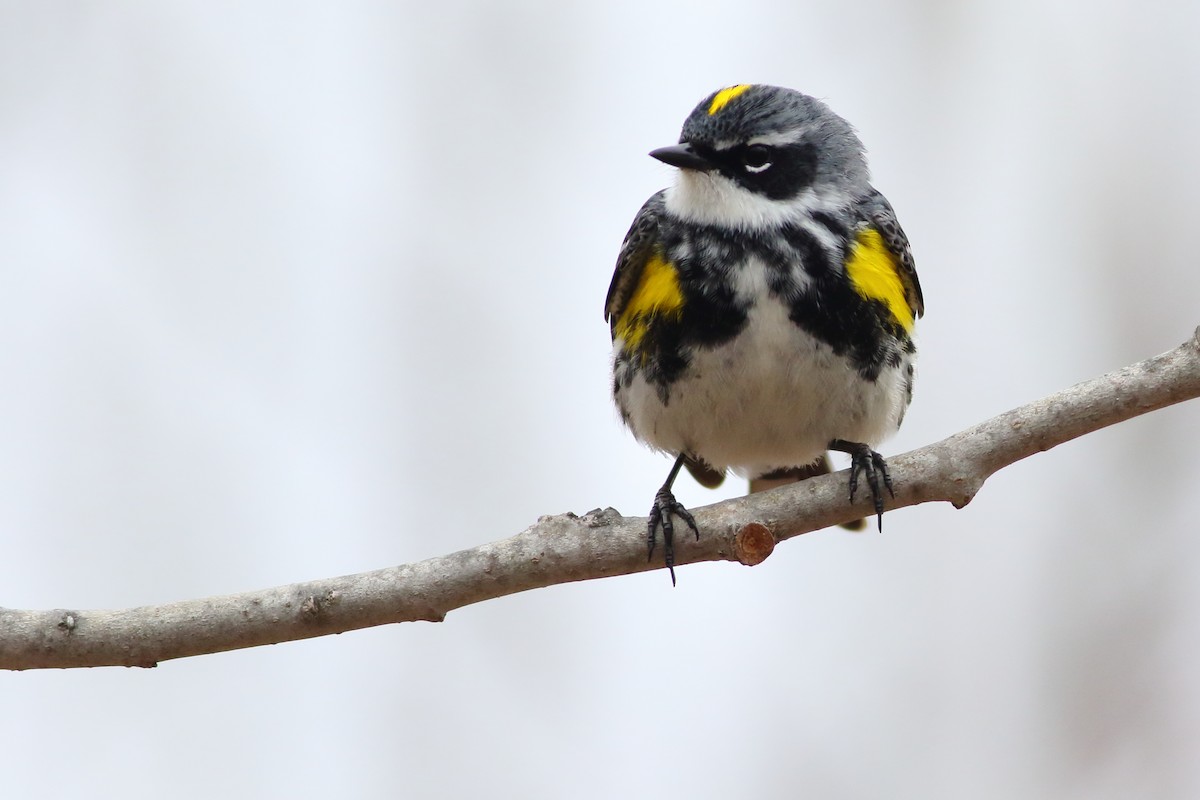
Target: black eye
x: 756, y: 157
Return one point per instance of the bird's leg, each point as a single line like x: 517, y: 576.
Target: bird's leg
x: 865, y: 460
x: 664, y: 506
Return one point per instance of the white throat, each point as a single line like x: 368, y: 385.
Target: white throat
x: 709, y: 198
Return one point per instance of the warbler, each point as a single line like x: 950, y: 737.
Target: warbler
x: 762, y: 308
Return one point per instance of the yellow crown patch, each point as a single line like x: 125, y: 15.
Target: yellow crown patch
x: 722, y: 98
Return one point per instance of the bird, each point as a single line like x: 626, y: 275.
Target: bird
x: 762, y: 308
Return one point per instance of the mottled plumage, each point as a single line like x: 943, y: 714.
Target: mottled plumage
x: 762, y: 308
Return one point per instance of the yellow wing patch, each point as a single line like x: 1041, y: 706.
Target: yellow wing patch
x: 657, y: 295
x: 722, y: 98
x: 872, y: 272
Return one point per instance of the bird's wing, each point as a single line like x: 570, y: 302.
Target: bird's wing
x: 882, y: 217
x: 635, y: 252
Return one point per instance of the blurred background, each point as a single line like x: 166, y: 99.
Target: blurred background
x: 294, y: 290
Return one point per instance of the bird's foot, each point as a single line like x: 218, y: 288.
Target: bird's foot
x: 865, y: 461
x: 666, y: 506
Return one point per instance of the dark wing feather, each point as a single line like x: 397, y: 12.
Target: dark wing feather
x: 635, y: 252
x: 880, y: 214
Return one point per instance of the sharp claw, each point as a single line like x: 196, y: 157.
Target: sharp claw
x: 878, y: 497
x: 687, y: 517
x: 668, y: 529
x: 882, y: 466
x: 665, y: 505
x: 866, y: 461
x: 655, y: 517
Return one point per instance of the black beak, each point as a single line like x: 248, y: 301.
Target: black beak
x: 684, y: 157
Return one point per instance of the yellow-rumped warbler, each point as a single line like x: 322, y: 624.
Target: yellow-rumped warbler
x: 762, y: 308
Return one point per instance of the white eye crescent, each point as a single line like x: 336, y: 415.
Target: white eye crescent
x: 757, y: 158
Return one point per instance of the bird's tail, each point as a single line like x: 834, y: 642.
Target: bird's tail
x: 705, y: 475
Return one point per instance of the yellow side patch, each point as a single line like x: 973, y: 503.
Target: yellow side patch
x: 872, y: 272
x: 722, y: 98
x: 657, y: 294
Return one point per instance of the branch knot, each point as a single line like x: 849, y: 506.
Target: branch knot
x: 753, y: 544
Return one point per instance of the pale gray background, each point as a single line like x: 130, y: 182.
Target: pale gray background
x: 295, y: 290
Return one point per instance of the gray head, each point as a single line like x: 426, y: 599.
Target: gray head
x: 749, y: 154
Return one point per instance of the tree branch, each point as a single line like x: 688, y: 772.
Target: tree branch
x: 600, y: 544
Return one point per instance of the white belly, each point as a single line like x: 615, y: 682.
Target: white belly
x: 773, y: 397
